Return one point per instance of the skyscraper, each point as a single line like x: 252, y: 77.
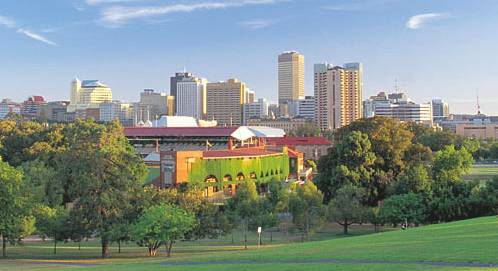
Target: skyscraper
x: 191, y: 97
x: 225, y: 101
x: 290, y: 79
x: 179, y: 76
x: 88, y: 94
x: 338, y: 94
x: 440, y: 109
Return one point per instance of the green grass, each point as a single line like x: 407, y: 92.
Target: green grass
x: 473, y: 240
x: 482, y: 173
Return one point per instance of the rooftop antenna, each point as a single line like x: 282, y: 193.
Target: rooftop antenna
x: 396, y: 86
x: 478, y: 104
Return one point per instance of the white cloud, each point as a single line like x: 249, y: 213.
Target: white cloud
x: 419, y: 20
x: 9, y: 23
x: 118, y: 15
x: 35, y: 36
x: 99, y: 2
x: 257, y: 24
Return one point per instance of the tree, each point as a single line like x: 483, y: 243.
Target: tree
x: 408, y: 208
x: 243, y: 206
x: 305, y: 205
x: 415, y: 179
x: 163, y: 224
x: 52, y: 222
x: 15, y: 219
x: 101, y: 171
x: 349, y: 162
x: 346, y: 208
x: 308, y: 129
x: 450, y: 163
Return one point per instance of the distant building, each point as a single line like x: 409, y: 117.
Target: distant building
x: 488, y: 131
x: 256, y: 110
x: 7, y: 107
x: 88, y: 94
x: 440, y: 109
x: 53, y: 111
x: 312, y: 147
x: 290, y: 79
x: 191, y: 97
x: 31, y: 106
x: 453, y: 120
x: 117, y: 110
x: 338, y: 94
x: 251, y: 96
x: 225, y: 102
x: 155, y: 102
x: 304, y: 108
x: 399, y: 106
x: 371, y: 103
x: 285, y: 124
x: 179, y: 76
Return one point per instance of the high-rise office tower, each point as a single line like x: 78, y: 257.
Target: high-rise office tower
x: 338, y: 94
x: 290, y: 79
x: 440, y: 109
x: 88, y: 94
x: 179, y: 76
x: 225, y: 101
x: 191, y: 97
x: 156, y: 102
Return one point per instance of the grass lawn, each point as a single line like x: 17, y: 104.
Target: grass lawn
x: 482, y: 172
x: 470, y: 241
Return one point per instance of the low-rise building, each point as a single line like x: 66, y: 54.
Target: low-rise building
x: 312, y: 147
x: 487, y: 131
x: 285, y: 124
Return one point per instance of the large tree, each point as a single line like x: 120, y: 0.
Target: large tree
x: 162, y: 225
x: 350, y: 161
x: 306, y: 207
x: 407, y: 208
x: 346, y: 208
x: 16, y: 221
x: 242, y: 207
x: 101, y: 173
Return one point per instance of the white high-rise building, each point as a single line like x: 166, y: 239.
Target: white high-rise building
x: 256, y: 110
x: 304, y: 108
x: 338, y: 94
x: 88, y: 94
x: 116, y: 110
x: 290, y: 79
x: 191, y: 97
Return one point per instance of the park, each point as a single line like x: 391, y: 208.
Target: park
x: 387, y: 196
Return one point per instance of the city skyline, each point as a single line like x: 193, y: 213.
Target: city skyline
x: 438, y: 49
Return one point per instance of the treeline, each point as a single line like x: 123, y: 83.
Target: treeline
x: 83, y: 180
x: 402, y: 173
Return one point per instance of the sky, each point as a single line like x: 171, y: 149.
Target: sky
x: 443, y: 48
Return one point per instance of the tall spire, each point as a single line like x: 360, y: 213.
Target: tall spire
x: 478, y: 104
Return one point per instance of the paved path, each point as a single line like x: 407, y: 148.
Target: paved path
x: 336, y: 261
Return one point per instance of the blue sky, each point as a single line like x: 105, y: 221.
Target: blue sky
x: 444, y: 48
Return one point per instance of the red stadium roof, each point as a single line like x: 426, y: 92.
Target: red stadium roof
x: 238, y: 153
x: 178, y: 131
x: 298, y: 141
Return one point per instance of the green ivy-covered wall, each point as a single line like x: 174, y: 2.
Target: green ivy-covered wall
x: 264, y: 169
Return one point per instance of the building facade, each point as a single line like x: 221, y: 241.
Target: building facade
x: 7, y: 107
x: 488, y: 131
x: 286, y: 124
x: 53, y: 111
x: 304, y: 108
x: 290, y: 79
x: 191, y: 97
x: 156, y: 102
x: 440, y: 109
x: 225, y: 102
x: 88, y: 94
x: 31, y: 106
x: 179, y: 76
x: 256, y: 110
x: 338, y: 94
